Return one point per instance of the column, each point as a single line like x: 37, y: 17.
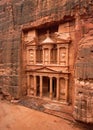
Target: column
x: 35, y: 88
x: 41, y: 87
x: 67, y: 55
x: 43, y: 54
x: 34, y: 55
x: 49, y: 55
x: 51, y: 91
x: 28, y: 57
x: 28, y: 84
x: 57, y: 55
x: 58, y: 93
x: 66, y: 89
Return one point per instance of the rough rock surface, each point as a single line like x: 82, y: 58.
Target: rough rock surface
x: 84, y: 80
x: 16, y: 15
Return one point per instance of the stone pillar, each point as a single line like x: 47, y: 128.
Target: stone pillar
x: 28, y: 57
x: 28, y: 84
x: 49, y: 55
x: 58, y: 93
x: 41, y: 87
x: 67, y: 56
x: 57, y: 55
x: 66, y: 89
x: 35, y: 88
x: 34, y: 56
x: 43, y: 54
x: 51, y: 91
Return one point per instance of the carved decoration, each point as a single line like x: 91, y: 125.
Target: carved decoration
x: 65, y: 37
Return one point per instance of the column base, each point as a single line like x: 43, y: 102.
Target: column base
x: 40, y: 94
x: 51, y: 96
x: 57, y: 98
x: 28, y: 92
x: 35, y: 92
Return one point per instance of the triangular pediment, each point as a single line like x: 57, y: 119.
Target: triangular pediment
x: 46, y: 69
x: 48, y: 40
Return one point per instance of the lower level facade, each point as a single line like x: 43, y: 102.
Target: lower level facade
x: 49, y: 85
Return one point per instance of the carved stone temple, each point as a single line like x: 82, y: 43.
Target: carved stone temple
x: 46, y: 52
x: 46, y: 58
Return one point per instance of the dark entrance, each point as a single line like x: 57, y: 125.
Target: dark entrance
x: 54, y: 84
x: 46, y: 86
x: 38, y: 85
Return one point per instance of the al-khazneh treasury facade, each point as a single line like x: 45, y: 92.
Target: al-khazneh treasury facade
x: 46, y: 51
x: 46, y: 59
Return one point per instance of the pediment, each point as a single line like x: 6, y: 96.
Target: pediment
x: 62, y: 37
x: 31, y: 42
x: 46, y: 69
x: 48, y: 40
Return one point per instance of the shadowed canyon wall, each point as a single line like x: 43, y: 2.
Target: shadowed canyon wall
x: 17, y: 16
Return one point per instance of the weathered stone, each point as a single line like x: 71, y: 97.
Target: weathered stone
x: 74, y: 20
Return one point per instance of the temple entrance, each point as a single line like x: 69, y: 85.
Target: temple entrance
x: 38, y: 85
x: 54, y: 88
x: 46, y: 86
x: 54, y: 84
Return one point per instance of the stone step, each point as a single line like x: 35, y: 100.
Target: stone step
x: 62, y: 111
x: 60, y: 114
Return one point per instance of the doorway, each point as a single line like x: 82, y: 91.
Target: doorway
x: 54, y: 84
x: 46, y: 86
x: 38, y: 85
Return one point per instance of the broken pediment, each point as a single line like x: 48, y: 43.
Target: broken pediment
x: 30, y: 37
x: 62, y: 37
x: 32, y: 41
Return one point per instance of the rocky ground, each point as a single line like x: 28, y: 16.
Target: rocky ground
x: 50, y: 107
x: 16, y: 117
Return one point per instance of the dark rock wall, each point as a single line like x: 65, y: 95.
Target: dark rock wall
x: 9, y: 46
x: 16, y: 15
x: 84, y: 76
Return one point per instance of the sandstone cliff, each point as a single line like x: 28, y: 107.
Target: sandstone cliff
x: 17, y: 15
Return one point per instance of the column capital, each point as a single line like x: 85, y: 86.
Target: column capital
x: 58, y: 46
x: 28, y: 74
x: 57, y: 77
x: 34, y: 75
x: 50, y: 77
x: 66, y: 78
x: 40, y: 76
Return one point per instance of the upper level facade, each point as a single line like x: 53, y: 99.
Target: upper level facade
x: 47, y: 47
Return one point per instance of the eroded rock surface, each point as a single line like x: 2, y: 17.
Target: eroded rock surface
x: 84, y: 80
x: 17, y: 16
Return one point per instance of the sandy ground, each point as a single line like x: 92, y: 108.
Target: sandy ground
x: 16, y: 117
